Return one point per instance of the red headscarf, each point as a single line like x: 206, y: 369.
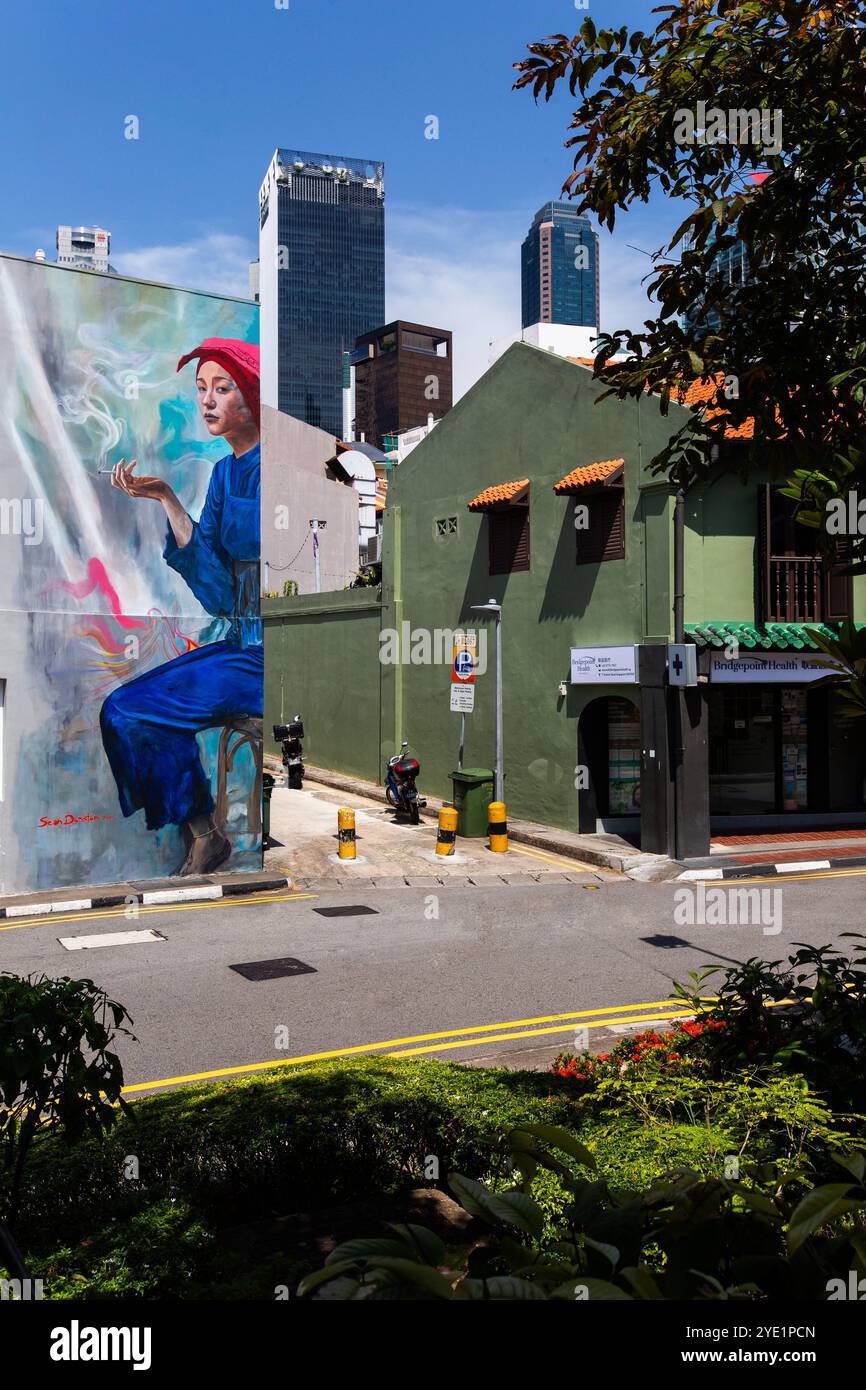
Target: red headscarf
x: 240, y: 359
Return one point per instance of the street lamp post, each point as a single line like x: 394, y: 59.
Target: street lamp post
x: 498, y: 771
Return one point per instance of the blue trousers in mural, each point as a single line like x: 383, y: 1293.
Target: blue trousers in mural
x: 149, y: 728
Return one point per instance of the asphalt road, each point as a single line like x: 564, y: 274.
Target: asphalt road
x: 506, y: 962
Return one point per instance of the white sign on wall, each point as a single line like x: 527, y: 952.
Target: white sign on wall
x: 603, y: 666
x: 462, y: 699
x: 770, y: 668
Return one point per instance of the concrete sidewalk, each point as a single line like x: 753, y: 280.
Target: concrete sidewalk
x: 154, y: 890
x: 388, y: 848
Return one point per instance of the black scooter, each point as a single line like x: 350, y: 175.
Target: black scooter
x: 290, y: 735
x: 400, y: 789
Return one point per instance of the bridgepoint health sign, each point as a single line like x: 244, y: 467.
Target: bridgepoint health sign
x: 779, y: 668
x: 603, y: 666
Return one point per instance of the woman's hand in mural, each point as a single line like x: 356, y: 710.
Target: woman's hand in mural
x: 123, y: 477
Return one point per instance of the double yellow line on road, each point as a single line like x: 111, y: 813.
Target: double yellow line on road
x: 480, y: 1035
x: 135, y: 910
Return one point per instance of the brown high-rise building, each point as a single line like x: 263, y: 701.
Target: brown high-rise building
x: 402, y: 376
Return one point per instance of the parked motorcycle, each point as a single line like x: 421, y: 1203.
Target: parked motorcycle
x: 400, y: 789
x: 290, y: 735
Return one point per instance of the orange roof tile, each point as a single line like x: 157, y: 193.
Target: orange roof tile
x: 502, y: 492
x: 697, y: 393
x: 592, y: 473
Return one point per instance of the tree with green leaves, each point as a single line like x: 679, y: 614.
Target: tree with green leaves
x: 753, y: 114
x: 56, y: 1069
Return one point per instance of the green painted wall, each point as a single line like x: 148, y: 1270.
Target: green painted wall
x: 322, y: 661
x: 532, y: 415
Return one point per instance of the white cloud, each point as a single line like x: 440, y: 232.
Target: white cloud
x: 218, y: 263
x: 460, y: 270
x: 452, y: 268
x: 448, y: 267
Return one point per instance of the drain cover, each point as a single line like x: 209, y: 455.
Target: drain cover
x: 273, y: 969
x: 346, y: 911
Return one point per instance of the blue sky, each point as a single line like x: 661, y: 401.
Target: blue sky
x: 218, y: 84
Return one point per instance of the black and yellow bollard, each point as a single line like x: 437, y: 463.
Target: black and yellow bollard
x: 346, y: 833
x: 497, y: 827
x: 446, y: 837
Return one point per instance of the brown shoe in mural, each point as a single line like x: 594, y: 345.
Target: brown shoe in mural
x: 206, y: 853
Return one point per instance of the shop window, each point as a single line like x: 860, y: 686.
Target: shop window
x: 509, y: 540
x: 742, y: 747
x: 604, y: 536
x: 623, y: 741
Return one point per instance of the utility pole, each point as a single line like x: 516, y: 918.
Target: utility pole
x: 316, y: 526
x: 498, y: 771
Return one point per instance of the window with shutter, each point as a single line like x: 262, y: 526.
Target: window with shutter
x: 604, y: 537
x: 509, y: 540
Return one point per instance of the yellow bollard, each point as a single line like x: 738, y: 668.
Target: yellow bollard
x: 497, y: 827
x: 447, y: 834
x: 346, y: 833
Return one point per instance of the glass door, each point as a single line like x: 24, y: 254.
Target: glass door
x: 742, y: 751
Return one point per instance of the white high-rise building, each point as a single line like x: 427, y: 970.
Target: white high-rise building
x: 85, y: 247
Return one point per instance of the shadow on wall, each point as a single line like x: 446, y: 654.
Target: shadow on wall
x: 481, y: 585
x: 569, y: 585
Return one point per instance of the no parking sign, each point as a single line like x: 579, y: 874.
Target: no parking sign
x: 464, y: 665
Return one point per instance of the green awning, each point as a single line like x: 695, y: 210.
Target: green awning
x: 778, y: 637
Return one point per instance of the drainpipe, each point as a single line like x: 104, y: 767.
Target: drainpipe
x: 679, y: 567
x: 674, y: 693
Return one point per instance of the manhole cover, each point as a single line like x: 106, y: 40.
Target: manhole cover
x: 347, y: 911
x: 273, y: 969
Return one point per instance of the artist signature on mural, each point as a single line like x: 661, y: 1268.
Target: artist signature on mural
x: 69, y: 819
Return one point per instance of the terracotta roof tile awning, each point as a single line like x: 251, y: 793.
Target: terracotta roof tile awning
x: 502, y: 495
x: 608, y: 473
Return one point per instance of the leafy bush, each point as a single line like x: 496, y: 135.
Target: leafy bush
x: 685, y: 1238
x: 806, y: 1018
x: 56, y: 1070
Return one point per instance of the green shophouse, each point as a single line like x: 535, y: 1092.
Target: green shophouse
x: 532, y: 493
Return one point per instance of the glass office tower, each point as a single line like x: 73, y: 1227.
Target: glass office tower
x: 321, y: 277
x: 560, y: 272
x: 731, y: 266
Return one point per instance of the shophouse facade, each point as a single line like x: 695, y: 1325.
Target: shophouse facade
x: 535, y: 494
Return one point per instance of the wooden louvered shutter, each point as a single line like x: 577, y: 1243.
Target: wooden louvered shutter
x: 605, y: 537
x: 509, y: 540
x: 838, y: 587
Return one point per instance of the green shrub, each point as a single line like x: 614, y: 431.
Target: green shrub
x: 683, y: 1238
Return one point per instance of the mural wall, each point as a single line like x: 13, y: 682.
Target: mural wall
x: 131, y: 664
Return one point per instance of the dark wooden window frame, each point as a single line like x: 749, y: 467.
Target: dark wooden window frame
x: 592, y: 546
x: 508, y: 539
x: 793, y: 584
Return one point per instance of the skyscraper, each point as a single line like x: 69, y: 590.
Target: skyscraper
x: 402, y: 376
x: 560, y: 270
x: 731, y: 267
x: 85, y: 247
x: 321, y: 277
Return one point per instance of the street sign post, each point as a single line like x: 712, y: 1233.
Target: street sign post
x: 464, y: 665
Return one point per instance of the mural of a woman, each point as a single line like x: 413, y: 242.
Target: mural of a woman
x: 149, y: 725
